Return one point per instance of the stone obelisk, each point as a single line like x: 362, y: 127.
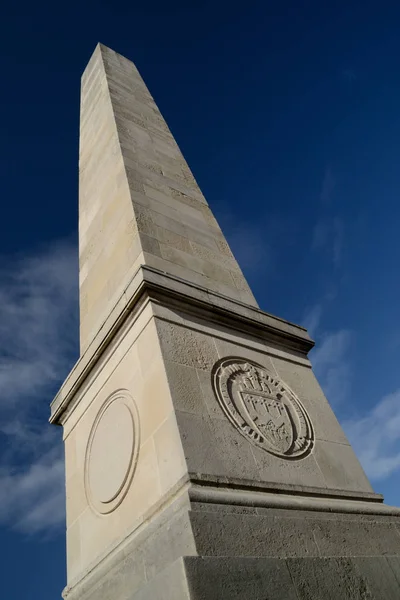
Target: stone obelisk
x: 202, y: 458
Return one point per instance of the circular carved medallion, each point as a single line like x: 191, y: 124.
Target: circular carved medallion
x: 111, y: 453
x: 263, y: 408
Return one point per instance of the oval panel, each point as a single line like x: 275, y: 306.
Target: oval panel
x: 111, y: 453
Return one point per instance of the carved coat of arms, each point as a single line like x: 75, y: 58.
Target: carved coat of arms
x: 263, y: 408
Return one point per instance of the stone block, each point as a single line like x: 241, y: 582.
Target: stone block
x: 148, y: 348
x: 355, y: 537
x: 168, y: 223
x: 243, y: 348
x: 185, y: 388
x: 171, y: 460
x: 74, y: 550
x: 168, y: 543
x: 379, y: 576
x: 394, y: 563
x: 340, y: 467
x: 76, y: 502
x: 301, y: 473
x: 229, y: 578
x: 186, y: 347
x: 213, y: 407
x: 199, y: 444
x: 145, y: 553
x: 170, y: 584
x: 302, y: 381
x: 213, y: 448
x: 150, y: 244
x: 153, y: 400
x: 70, y: 454
x: 217, y: 273
x: 173, y: 239
x: 175, y: 269
x: 205, y: 238
x: 328, y: 579
x: 146, y: 486
x: 226, y: 534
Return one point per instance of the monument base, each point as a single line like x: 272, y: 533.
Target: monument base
x: 195, y: 548
x: 246, y: 578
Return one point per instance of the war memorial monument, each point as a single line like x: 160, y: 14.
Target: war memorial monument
x: 203, y: 461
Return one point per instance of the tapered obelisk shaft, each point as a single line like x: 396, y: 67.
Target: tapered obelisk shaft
x: 139, y: 202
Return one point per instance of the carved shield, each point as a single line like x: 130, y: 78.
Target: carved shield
x: 270, y: 418
x: 263, y: 408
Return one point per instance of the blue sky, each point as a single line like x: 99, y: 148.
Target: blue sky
x: 290, y: 119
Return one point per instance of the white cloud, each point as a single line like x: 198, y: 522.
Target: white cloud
x: 38, y: 345
x: 328, y: 235
x: 249, y: 248
x: 331, y: 364
x: 332, y: 349
x: 32, y: 497
x: 312, y: 319
x: 376, y: 437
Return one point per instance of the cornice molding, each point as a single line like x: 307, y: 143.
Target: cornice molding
x: 150, y: 285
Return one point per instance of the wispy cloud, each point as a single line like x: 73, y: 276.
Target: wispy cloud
x: 331, y: 356
x: 328, y: 232
x: 328, y: 235
x: 32, y: 496
x: 312, y: 319
x: 246, y: 239
x: 375, y: 437
x: 328, y: 186
x: 249, y: 248
x: 38, y: 345
x: 330, y: 361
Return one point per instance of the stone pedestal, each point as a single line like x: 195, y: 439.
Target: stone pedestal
x: 202, y: 458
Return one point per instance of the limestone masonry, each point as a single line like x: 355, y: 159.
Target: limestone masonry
x: 203, y: 461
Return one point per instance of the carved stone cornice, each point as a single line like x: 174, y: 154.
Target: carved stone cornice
x: 150, y: 285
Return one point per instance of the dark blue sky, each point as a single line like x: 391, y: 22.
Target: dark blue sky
x: 289, y: 115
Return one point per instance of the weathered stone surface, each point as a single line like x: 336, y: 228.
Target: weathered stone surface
x: 380, y: 577
x: 328, y: 579
x: 238, y: 579
x: 304, y: 383
x: 186, y: 347
x: 340, y: 467
x: 128, y: 157
x: 170, y: 584
x: 149, y: 551
x: 356, y: 538
x: 235, y: 534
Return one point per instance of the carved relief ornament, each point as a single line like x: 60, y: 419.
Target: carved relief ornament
x: 112, y: 452
x: 263, y: 408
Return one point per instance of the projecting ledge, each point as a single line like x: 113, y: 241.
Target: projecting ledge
x: 151, y: 285
x: 369, y: 505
